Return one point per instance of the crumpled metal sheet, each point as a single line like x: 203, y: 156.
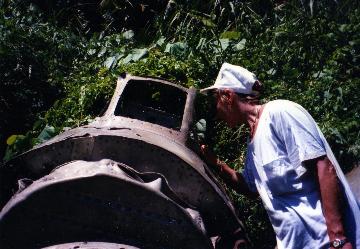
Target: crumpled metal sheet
x: 101, y: 201
x: 144, y: 151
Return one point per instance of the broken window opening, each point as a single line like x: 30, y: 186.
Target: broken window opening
x: 152, y: 102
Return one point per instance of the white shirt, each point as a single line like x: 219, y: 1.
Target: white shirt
x: 284, y: 139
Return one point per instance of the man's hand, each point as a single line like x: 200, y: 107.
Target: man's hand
x: 209, y: 156
x: 231, y: 177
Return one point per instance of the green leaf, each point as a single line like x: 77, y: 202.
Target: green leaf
x: 47, y: 133
x: 109, y: 62
x: 91, y: 51
x: 224, y: 43
x: 343, y: 27
x: 128, y: 35
x: 161, y: 41
x: 201, y: 125
x: 155, y: 96
x: 9, y: 153
x: 280, y: 33
x: 330, y: 35
x: 105, y: 3
x: 201, y: 44
x: 354, y: 42
x: 200, y: 129
x: 102, y: 51
x: 11, y: 139
x: 232, y: 35
x: 135, y: 55
x: 207, y: 22
x: 272, y: 71
x: 177, y: 48
x: 240, y: 45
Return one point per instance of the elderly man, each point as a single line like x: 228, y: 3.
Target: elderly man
x: 288, y: 163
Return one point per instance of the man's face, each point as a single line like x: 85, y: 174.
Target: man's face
x: 224, y: 102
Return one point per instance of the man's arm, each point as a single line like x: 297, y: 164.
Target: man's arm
x: 331, y: 198
x: 231, y: 177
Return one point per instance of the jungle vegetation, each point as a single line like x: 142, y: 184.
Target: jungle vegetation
x: 59, y: 61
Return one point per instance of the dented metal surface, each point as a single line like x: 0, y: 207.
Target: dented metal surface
x: 159, y: 146
x: 133, y: 208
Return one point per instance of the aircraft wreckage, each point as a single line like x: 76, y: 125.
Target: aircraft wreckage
x: 129, y: 179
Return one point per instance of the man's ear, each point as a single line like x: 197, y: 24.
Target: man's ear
x: 229, y: 96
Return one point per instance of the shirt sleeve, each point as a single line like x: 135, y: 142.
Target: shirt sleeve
x: 299, y: 133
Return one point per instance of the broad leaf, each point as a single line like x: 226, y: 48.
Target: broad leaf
x: 177, y: 48
x: 135, y: 55
x: 128, y: 34
x: 240, y: 45
x: 111, y: 61
x: 47, y: 133
x: 11, y: 139
x: 224, y: 43
x: 230, y: 35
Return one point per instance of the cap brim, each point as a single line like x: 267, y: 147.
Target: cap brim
x: 205, y: 91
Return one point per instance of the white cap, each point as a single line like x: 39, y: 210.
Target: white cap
x: 233, y: 77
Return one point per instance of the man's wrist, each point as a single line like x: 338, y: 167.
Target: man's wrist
x: 219, y: 165
x: 338, y: 234
x: 338, y: 243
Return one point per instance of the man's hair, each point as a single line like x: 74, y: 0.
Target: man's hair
x: 253, y: 98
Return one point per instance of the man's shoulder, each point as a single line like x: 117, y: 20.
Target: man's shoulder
x: 280, y: 106
x: 280, y: 110
x: 291, y: 113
